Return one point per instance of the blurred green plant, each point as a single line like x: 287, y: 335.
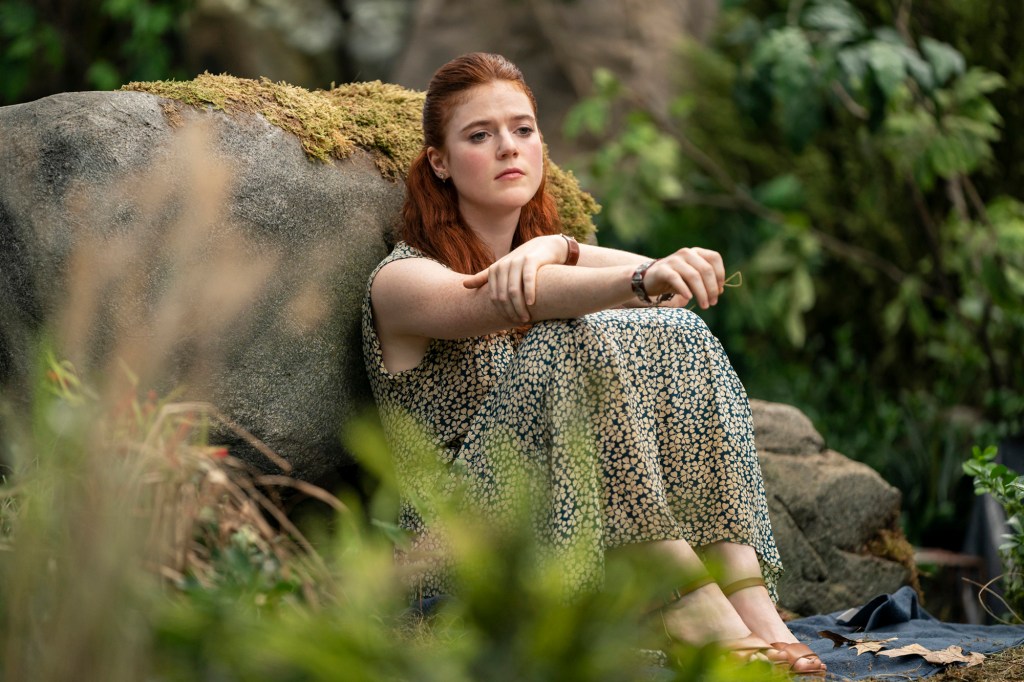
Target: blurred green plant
x: 1007, y: 488
x: 848, y: 167
x: 61, y: 45
x: 132, y: 550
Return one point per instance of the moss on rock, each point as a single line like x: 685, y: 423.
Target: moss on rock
x: 892, y: 544
x: 381, y: 118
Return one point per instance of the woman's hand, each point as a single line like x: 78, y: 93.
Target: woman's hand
x: 513, y: 277
x: 691, y: 273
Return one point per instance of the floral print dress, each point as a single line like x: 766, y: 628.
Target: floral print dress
x: 629, y: 425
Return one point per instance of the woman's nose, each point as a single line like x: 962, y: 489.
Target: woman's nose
x: 507, y: 145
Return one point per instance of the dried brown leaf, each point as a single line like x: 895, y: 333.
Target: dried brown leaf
x: 908, y: 650
x: 954, y: 654
x: 870, y: 645
x: 859, y: 645
x: 838, y: 640
x: 951, y: 654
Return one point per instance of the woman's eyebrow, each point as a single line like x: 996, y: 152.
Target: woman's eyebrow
x: 484, y: 122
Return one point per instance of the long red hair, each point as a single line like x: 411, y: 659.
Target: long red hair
x: 431, y: 221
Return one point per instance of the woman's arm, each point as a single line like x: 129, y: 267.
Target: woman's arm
x: 600, y: 256
x: 419, y: 298
x: 514, y: 276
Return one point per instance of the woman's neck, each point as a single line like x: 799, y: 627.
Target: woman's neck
x: 496, y: 230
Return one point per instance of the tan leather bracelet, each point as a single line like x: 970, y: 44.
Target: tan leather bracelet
x: 573, y: 257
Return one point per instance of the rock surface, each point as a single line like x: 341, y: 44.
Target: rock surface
x: 828, y: 514
x: 202, y: 247
x: 214, y: 255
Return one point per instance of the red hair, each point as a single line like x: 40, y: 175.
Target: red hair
x: 431, y: 221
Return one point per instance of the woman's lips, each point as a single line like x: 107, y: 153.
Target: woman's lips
x: 510, y: 173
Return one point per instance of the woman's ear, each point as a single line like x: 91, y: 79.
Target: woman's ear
x: 437, y: 162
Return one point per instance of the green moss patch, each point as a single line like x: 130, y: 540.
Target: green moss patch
x: 381, y: 118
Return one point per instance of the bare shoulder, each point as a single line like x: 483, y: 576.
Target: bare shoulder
x: 401, y: 279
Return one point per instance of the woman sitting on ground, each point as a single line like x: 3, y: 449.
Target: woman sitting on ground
x: 499, y: 338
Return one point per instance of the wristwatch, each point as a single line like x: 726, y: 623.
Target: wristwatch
x: 641, y: 291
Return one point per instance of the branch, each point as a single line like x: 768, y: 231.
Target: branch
x: 932, y: 231
x: 903, y: 21
x: 851, y: 104
x: 861, y: 255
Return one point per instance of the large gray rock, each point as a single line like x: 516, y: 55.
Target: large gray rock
x: 212, y: 255
x: 831, y: 517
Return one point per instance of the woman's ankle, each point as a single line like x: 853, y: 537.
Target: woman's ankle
x: 757, y: 610
x: 702, y: 616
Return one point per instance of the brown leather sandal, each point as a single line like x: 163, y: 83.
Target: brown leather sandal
x: 692, y: 586
x: 789, y: 653
x: 742, y: 584
x: 798, y: 651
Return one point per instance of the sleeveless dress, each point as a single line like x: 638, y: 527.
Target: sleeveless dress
x: 627, y: 425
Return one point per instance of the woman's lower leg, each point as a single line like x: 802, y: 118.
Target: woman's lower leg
x: 703, y: 615
x: 753, y: 604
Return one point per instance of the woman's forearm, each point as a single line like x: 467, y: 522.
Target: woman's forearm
x: 600, y: 257
x: 566, y: 292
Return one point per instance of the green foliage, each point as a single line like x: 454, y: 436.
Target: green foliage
x: 1007, y: 488
x: 852, y: 168
x: 95, y: 44
x: 92, y: 588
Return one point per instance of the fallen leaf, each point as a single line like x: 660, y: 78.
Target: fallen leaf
x: 837, y: 639
x: 952, y: 654
x: 860, y: 645
x: 908, y: 650
x: 870, y: 645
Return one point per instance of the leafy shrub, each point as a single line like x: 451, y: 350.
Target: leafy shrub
x: 1007, y: 488
x: 97, y: 44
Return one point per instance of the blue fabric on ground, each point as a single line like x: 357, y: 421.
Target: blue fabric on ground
x: 896, y: 615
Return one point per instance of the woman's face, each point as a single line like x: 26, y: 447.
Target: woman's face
x: 493, y: 150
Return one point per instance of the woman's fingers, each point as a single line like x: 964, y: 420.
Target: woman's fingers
x: 530, y: 269
x: 697, y: 269
x: 715, y: 259
x: 515, y: 291
x: 678, y: 285
x: 513, y: 286
x: 686, y: 273
x: 476, y: 281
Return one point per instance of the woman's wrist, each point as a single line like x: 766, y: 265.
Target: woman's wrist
x: 572, y: 255
x: 640, y: 289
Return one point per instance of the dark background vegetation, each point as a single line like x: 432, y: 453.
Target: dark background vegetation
x: 860, y: 162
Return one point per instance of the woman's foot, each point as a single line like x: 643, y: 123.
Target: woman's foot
x: 751, y: 601
x: 749, y: 597
x: 703, y: 615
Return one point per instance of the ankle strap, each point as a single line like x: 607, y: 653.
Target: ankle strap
x: 742, y: 584
x: 692, y: 586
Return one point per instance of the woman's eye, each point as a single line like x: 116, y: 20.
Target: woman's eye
x: 478, y: 136
x: 524, y: 130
